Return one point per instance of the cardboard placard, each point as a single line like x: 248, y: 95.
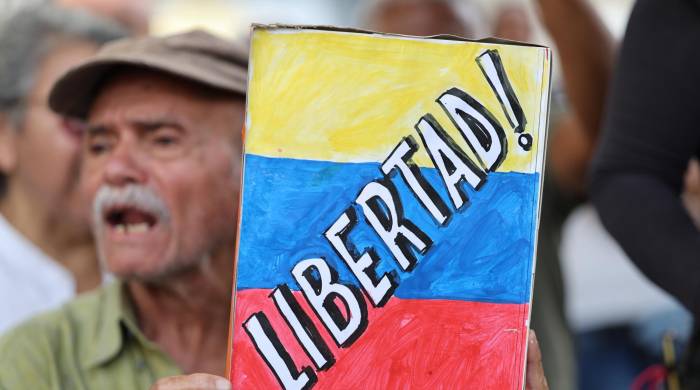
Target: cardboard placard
x: 389, y: 211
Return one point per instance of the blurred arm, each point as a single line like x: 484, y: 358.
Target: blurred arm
x: 586, y: 52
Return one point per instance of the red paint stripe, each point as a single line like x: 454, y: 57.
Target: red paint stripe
x: 408, y: 343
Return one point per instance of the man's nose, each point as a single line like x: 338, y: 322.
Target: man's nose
x: 124, y: 166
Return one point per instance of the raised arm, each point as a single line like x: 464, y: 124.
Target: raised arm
x: 586, y: 52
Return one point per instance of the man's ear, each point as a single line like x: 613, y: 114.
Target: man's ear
x: 8, y: 145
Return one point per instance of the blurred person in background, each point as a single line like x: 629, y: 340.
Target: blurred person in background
x: 617, y: 318
x: 651, y: 134
x: 46, y: 250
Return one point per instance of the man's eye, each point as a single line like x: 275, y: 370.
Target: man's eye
x: 165, y: 140
x: 98, y: 147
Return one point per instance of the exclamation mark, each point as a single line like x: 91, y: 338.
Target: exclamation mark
x: 492, y: 67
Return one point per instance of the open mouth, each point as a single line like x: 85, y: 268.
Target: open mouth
x: 130, y: 220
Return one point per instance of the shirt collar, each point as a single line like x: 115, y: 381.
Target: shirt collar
x: 115, y: 326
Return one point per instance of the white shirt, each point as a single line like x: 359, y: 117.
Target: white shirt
x: 30, y: 281
x: 603, y: 287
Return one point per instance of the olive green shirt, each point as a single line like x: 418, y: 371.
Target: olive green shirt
x: 92, y: 342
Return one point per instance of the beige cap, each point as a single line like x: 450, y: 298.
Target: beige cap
x: 196, y: 56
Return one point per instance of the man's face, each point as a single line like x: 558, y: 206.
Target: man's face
x: 162, y: 164
x: 46, y: 147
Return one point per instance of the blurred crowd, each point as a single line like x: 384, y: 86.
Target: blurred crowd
x: 82, y: 149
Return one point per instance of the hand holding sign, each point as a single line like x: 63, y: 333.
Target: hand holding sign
x: 192, y: 382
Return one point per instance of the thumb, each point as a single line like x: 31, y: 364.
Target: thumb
x: 534, y: 376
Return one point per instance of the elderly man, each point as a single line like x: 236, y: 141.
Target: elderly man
x: 162, y: 166
x: 46, y: 249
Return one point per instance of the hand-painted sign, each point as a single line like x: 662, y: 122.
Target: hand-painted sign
x: 389, y: 211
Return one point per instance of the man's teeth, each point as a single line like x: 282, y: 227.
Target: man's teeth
x: 138, y: 228
x: 132, y: 228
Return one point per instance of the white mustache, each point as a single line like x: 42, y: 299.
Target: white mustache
x: 132, y: 195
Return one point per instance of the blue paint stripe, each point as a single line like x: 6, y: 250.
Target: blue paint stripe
x: 483, y: 254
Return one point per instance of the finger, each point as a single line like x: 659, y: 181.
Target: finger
x: 192, y: 382
x: 534, y: 377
